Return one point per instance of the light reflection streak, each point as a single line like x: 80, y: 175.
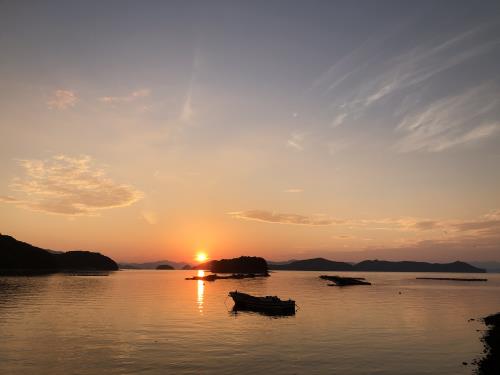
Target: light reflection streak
x: 201, y: 290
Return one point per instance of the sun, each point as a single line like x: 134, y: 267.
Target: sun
x: 201, y: 257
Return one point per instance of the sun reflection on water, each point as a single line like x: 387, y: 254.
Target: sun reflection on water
x: 201, y: 290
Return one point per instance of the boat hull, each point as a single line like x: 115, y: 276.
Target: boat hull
x: 269, y: 305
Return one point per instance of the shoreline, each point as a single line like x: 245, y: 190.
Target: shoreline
x: 489, y: 364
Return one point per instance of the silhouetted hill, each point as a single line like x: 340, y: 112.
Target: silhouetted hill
x: 20, y: 257
x: 242, y: 264
x: 321, y: 264
x: 165, y: 267
x: 406, y: 266
x: 85, y: 260
x: 315, y: 264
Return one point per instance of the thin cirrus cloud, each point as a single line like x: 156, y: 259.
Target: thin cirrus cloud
x: 134, y: 95
x: 68, y: 186
x: 62, y: 99
x: 485, y: 225
x: 293, y: 190
x: 296, y: 141
x: 451, y: 121
x: 283, y: 218
x: 364, y: 79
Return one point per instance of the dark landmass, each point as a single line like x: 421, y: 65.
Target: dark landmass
x: 187, y: 267
x: 449, y: 279
x: 214, y: 276
x: 20, y: 258
x: 315, y: 264
x: 152, y: 265
x: 406, y: 266
x: 345, y: 281
x: 165, y: 267
x: 490, y: 363
x: 321, y: 264
x: 244, y: 264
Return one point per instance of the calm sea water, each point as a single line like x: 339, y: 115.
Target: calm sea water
x: 155, y: 322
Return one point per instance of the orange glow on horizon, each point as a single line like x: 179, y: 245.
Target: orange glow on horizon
x: 201, y: 257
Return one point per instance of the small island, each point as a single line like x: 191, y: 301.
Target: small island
x: 214, y: 276
x: 164, y: 267
x: 243, y: 265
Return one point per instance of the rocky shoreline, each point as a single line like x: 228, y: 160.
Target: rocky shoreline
x: 490, y: 363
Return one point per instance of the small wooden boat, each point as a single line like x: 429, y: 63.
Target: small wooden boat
x: 270, y: 304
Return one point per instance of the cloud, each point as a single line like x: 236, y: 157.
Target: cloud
x: 296, y: 141
x: 62, y: 99
x: 452, y: 121
x: 134, y: 95
x: 426, y: 225
x: 293, y: 191
x: 281, y: 218
x: 365, y: 79
x: 69, y: 186
x: 150, y: 217
x: 187, y: 111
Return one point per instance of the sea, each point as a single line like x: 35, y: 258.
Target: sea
x: 156, y: 322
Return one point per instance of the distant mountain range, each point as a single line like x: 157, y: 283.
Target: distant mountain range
x: 153, y: 265
x: 18, y: 257
x: 322, y: 264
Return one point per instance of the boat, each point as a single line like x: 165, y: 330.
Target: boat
x: 271, y: 305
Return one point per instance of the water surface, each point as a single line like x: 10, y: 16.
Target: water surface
x: 155, y: 322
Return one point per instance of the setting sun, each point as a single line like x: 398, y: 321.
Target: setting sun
x: 201, y: 257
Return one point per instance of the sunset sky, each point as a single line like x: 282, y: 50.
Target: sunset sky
x: 151, y: 130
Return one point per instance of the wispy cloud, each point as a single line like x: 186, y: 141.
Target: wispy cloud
x: 134, y: 95
x: 296, y: 141
x: 283, y: 218
x: 487, y: 223
x: 62, y: 99
x: 150, y: 217
x: 451, y: 121
x: 187, y: 111
x: 356, y: 84
x: 293, y: 190
x: 69, y: 186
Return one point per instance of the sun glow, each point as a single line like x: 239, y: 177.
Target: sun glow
x: 201, y: 257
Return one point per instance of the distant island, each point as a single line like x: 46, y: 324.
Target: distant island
x: 17, y: 257
x: 165, y: 267
x: 322, y: 264
x: 152, y: 265
x: 241, y: 265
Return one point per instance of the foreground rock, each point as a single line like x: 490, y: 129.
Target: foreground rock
x: 244, y: 264
x: 20, y: 258
x: 345, y: 281
x: 490, y: 363
x: 214, y: 276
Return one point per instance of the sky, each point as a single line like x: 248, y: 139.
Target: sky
x: 285, y: 129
